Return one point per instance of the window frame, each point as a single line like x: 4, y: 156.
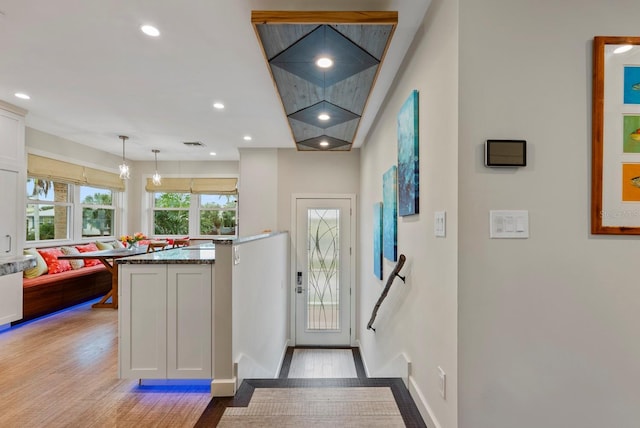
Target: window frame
x: 80, y: 207
x: 195, y: 206
x: 37, y: 202
x: 74, y: 207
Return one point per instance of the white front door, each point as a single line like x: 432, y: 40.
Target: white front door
x: 322, y: 278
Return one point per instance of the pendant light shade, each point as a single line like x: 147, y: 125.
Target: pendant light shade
x: 124, y: 168
x: 156, y: 179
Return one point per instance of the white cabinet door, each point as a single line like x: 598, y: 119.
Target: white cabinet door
x: 143, y: 321
x: 9, y: 215
x: 189, y: 322
x: 10, y: 298
x: 11, y: 138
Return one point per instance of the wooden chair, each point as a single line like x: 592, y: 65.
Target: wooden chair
x: 180, y: 243
x: 153, y: 245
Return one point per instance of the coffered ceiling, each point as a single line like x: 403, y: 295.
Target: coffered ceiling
x: 92, y: 75
x: 323, y: 105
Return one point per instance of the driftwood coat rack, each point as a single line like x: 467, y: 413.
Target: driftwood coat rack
x: 392, y: 276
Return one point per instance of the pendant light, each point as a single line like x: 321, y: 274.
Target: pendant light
x: 124, y: 168
x: 157, y: 180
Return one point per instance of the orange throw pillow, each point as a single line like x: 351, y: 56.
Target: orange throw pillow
x: 87, y: 248
x: 50, y: 256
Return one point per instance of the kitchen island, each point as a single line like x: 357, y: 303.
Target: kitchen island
x: 11, y: 268
x: 176, y: 314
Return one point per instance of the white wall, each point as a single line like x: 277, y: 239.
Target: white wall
x: 314, y: 173
x: 418, y: 319
x: 258, y: 187
x: 260, y: 329
x: 44, y: 144
x: 548, y: 327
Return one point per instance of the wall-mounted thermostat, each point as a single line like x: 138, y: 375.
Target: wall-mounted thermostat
x: 505, y: 153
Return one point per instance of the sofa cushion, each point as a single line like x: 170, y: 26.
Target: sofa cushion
x: 75, y: 264
x: 104, y: 245
x: 64, y: 276
x: 40, y: 267
x: 50, y: 256
x: 88, y: 248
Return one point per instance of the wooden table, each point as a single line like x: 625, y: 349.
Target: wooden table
x: 107, y: 257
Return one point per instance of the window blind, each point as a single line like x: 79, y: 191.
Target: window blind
x: 178, y: 185
x: 109, y: 180
x: 56, y: 170
x: 52, y: 169
x: 220, y: 186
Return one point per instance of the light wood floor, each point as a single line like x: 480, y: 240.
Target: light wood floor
x: 322, y: 363
x: 62, y: 372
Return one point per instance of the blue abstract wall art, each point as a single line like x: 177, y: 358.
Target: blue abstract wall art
x: 377, y: 239
x: 408, y: 173
x: 390, y: 214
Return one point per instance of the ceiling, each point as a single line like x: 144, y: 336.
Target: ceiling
x: 324, y: 104
x: 92, y: 75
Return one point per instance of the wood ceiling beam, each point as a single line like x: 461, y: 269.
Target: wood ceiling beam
x: 324, y: 17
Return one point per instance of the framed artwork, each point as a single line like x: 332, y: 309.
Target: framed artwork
x: 408, y: 172
x: 377, y: 239
x: 390, y: 214
x: 615, y: 158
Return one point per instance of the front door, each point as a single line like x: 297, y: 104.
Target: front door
x: 323, y: 272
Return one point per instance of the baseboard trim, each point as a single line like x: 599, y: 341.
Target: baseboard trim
x: 421, y: 403
x: 223, y: 387
x: 283, y: 356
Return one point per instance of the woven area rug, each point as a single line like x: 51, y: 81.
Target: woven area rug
x: 316, y: 407
x: 312, y: 402
x: 355, y: 402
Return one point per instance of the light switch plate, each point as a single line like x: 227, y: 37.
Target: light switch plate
x: 508, y: 224
x: 440, y: 223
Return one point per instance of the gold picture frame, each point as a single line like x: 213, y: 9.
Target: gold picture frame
x: 615, y: 159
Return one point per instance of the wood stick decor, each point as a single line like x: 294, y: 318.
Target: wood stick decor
x: 392, y: 276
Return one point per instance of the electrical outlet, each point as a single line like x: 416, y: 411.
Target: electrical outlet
x: 442, y: 382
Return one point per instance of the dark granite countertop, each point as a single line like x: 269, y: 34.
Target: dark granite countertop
x: 197, y: 254
x: 15, y: 264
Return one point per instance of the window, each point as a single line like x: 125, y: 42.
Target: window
x: 171, y: 213
x: 48, y: 210
x: 180, y: 214
x: 218, y: 214
x: 98, y: 211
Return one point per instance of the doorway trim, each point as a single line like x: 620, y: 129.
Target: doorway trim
x: 352, y: 259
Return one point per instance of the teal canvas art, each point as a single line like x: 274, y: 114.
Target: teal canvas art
x: 390, y: 214
x: 408, y: 171
x: 377, y: 239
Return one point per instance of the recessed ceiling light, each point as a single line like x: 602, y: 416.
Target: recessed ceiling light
x: 622, y: 49
x: 247, y: 138
x: 219, y: 106
x: 212, y: 153
x: 150, y: 30
x: 324, y: 116
x: 324, y: 143
x: 324, y: 62
x: 23, y: 96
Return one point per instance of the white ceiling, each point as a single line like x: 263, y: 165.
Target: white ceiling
x: 92, y: 75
